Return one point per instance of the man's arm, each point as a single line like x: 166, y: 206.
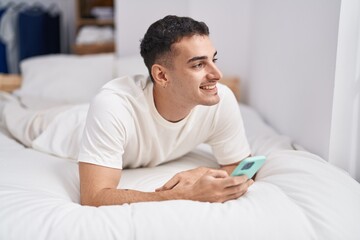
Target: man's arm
x: 98, y: 186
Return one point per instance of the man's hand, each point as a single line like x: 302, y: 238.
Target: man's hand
x: 207, y: 185
x: 215, y: 186
x: 184, y: 178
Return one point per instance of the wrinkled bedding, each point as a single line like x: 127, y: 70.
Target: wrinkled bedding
x: 296, y: 195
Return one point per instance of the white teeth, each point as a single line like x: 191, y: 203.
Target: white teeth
x: 208, y: 87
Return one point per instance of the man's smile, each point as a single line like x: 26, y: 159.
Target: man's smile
x: 208, y: 87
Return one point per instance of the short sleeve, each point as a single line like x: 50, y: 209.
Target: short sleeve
x: 104, y: 136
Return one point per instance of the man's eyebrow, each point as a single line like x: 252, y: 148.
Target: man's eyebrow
x: 199, y: 58
x: 215, y: 54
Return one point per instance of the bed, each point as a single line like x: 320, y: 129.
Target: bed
x: 296, y: 195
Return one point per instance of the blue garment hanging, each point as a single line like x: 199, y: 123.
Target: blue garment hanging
x: 39, y: 31
x: 31, y: 25
x: 27, y: 31
x: 3, y: 61
x: 52, y: 29
x: 9, y: 35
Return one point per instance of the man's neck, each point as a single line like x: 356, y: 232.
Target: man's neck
x: 167, y: 106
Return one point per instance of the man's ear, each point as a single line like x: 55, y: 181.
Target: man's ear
x: 158, y: 73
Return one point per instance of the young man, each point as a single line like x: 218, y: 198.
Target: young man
x: 138, y: 121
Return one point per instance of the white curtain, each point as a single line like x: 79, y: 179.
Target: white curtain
x: 68, y: 9
x: 345, y: 126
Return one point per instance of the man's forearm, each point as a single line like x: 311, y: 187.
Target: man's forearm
x: 110, y: 196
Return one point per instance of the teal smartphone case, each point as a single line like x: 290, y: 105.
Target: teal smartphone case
x: 249, y: 166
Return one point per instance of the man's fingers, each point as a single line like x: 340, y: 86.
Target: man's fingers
x: 234, y: 181
x: 239, y: 189
x: 234, y: 196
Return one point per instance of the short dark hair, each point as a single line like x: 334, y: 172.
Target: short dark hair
x: 160, y: 36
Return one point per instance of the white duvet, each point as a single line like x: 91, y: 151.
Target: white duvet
x: 296, y: 195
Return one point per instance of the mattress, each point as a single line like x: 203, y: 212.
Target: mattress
x: 296, y: 195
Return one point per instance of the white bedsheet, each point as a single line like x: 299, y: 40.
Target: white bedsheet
x: 296, y: 195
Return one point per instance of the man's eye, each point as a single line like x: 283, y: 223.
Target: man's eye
x: 199, y: 65
x: 215, y: 60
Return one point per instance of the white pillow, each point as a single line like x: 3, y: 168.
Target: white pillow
x: 130, y: 65
x: 63, y: 79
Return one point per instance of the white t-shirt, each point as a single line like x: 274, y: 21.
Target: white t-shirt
x: 124, y: 130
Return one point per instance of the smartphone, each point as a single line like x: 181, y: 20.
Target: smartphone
x: 249, y: 166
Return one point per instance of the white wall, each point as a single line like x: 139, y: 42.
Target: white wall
x: 229, y: 30
x: 292, y: 67
x: 284, y: 52
x: 133, y: 17
x: 228, y: 25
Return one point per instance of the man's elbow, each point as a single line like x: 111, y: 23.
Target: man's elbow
x: 86, y: 201
x: 90, y: 200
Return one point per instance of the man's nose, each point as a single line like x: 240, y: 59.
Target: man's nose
x: 214, y: 73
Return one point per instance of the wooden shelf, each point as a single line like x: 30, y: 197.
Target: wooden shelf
x: 84, y: 19
x: 96, y: 22
x: 83, y: 49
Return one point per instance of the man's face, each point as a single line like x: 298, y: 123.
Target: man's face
x: 193, y: 74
